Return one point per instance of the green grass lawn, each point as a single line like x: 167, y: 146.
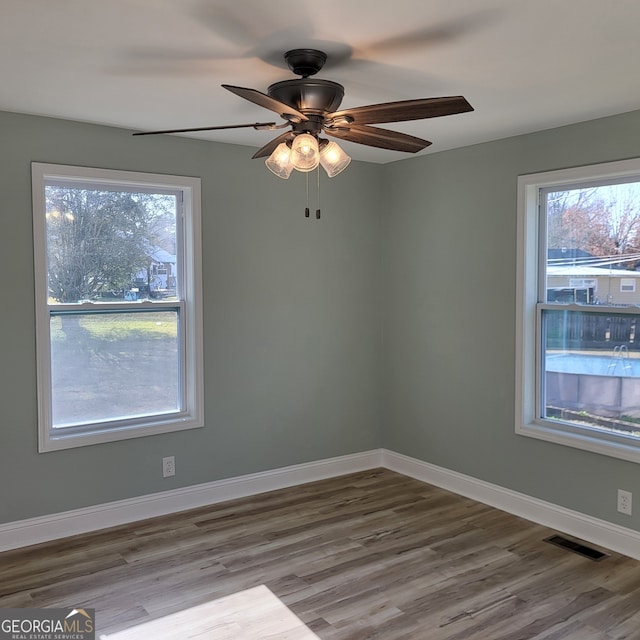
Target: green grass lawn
x: 113, y: 327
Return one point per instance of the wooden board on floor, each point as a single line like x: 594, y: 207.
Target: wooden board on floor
x: 370, y: 555
x: 252, y: 614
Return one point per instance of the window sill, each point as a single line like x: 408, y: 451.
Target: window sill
x: 59, y: 441
x: 598, y: 443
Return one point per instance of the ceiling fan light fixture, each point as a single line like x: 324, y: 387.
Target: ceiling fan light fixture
x: 305, y: 154
x: 279, y: 162
x: 333, y: 159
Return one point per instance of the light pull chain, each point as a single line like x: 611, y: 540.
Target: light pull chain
x: 306, y: 210
x: 318, y: 196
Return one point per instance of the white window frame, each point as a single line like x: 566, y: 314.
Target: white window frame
x: 528, y: 316
x: 627, y: 285
x: 190, y: 302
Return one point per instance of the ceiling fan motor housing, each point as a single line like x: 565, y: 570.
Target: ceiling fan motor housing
x: 308, y: 96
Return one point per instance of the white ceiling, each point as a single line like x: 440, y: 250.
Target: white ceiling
x: 525, y: 65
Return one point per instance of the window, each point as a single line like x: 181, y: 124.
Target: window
x: 118, y: 304
x: 578, y: 330
x: 628, y: 284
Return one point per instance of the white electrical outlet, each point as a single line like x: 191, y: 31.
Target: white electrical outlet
x: 168, y: 466
x: 624, y: 501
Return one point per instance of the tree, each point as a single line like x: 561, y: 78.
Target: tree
x: 624, y: 211
x: 603, y: 221
x: 97, y: 239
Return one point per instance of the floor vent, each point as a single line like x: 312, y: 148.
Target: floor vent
x: 576, y: 547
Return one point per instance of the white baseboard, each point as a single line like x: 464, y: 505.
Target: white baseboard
x: 69, y: 523
x: 61, y: 525
x: 574, y: 523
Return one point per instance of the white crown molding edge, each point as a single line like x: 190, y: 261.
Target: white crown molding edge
x: 599, y: 532
x: 61, y: 525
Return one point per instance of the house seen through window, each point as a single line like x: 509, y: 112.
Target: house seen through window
x: 117, y: 304
x: 580, y: 308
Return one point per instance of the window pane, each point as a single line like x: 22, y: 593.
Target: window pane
x: 593, y: 244
x: 591, y: 374
x: 112, y: 366
x: 107, y: 244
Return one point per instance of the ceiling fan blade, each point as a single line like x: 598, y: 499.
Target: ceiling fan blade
x: 377, y: 137
x: 434, y: 34
x: 402, y: 110
x: 263, y: 100
x: 270, y: 147
x: 255, y: 125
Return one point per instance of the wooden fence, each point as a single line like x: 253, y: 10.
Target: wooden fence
x: 590, y: 331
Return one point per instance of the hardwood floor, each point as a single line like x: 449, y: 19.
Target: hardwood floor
x: 369, y: 555
x: 252, y: 614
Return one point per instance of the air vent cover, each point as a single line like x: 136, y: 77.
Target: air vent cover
x: 576, y: 547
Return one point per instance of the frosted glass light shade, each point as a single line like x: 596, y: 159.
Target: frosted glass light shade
x: 333, y: 159
x: 279, y: 162
x: 305, y: 155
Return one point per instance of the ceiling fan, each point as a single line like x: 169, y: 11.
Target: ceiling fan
x: 309, y: 108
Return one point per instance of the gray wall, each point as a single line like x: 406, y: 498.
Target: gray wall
x: 321, y: 338
x: 449, y: 364
x: 291, y: 320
